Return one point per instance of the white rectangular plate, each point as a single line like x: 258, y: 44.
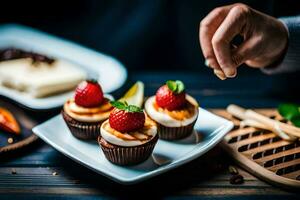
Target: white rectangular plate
x: 111, y: 74
x: 209, y: 130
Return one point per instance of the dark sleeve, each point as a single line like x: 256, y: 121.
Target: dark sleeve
x: 291, y: 60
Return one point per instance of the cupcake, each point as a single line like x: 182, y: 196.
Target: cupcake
x: 128, y: 137
x: 85, y: 113
x: 173, y: 110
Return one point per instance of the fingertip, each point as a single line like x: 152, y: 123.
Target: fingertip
x: 234, y: 75
x: 230, y: 72
x: 219, y: 74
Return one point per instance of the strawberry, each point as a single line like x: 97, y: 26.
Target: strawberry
x: 126, y: 118
x: 89, y: 94
x: 171, y: 95
x: 8, y: 122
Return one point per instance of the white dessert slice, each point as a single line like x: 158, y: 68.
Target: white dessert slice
x: 40, y: 79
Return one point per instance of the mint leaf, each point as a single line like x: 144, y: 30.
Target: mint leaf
x: 92, y: 81
x: 296, y: 120
x: 288, y: 110
x: 176, y: 86
x: 133, y: 108
x: 118, y: 104
x: 124, y: 106
x: 180, y: 86
x: 172, y: 85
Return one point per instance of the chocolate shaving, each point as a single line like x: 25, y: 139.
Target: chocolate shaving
x: 236, y: 179
x: 12, y: 53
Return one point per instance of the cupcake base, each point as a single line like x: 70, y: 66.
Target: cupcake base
x: 82, y: 130
x: 175, y: 133
x: 127, y: 155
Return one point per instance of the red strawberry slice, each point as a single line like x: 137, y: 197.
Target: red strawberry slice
x: 126, y: 118
x: 89, y: 94
x: 171, y: 96
x: 8, y: 122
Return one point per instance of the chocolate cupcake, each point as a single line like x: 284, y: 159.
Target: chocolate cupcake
x: 85, y: 113
x: 129, y: 136
x: 173, y: 110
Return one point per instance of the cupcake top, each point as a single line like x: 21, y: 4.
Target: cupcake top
x: 89, y: 103
x: 171, y: 106
x: 128, y: 126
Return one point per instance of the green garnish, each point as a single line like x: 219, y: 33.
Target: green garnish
x: 290, y: 112
x: 176, y: 86
x: 124, y: 106
x: 296, y: 120
x: 91, y: 80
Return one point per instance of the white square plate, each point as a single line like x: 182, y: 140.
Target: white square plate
x: 209, y: 130
x: 109, y: 72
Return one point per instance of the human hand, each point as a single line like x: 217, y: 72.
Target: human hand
x: 264, y: 39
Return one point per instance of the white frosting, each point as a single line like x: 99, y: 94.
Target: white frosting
x: 165, y: 119
x: 109, y: 137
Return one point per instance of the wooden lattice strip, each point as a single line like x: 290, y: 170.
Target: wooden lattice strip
x: 263, y: 153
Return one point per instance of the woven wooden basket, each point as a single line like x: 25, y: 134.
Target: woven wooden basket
x: 263, y: 153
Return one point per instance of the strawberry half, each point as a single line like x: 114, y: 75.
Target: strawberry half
x: 126, y: 118
x: 89, y: 94
x: 8, y: 122
x: 171, y: 96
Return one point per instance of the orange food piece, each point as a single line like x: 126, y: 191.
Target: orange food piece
x: 184, y: 113
x: 124, y: 136
x: 8, y: 122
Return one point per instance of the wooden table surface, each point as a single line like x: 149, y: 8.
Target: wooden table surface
x: 41, y: 172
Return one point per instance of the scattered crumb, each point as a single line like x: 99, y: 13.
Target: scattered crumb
x: 232, y: 170
x: 54, y: 173
x: 13, y: 171
x: 237, y: 179
x: 10, y: 140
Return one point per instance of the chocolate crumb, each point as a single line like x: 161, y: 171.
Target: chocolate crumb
x: 13, y: 171
x: 236, y: 179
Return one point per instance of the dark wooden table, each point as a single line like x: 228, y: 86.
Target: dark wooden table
x: 41, y: 172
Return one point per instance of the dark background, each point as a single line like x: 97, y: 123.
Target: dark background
x: 141, y: 33
x: 149, y: 35
x: 157, y: 40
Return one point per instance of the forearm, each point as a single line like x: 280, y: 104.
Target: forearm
x: 291, y: 58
